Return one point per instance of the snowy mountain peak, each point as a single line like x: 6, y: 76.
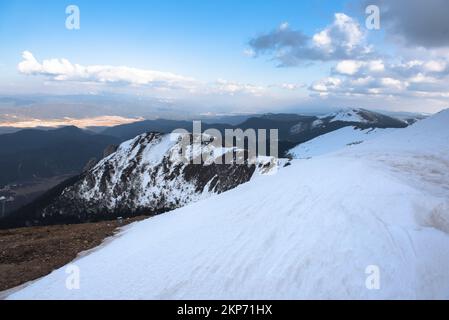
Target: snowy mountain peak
x: 360, y: 117
x: 347, y: 115
x: 149, y: 175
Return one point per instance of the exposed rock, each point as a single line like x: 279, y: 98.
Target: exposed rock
x: 109, y: 150
x: 90, y: 164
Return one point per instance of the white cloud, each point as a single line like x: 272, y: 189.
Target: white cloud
x: 344, y: 36
x: 392, y: 83
x: 344, y: 39
x: 291, y: 86
x: 389, y: 78
x: 327, y: 85
x: 228, y: 87
x: 358, y: 69
x: 435, y: 66
x: 249, y: 53
x: 350, y: 28
x: 64, y: 70
x: 421, y: 78
x: 322, y: 39
x: 284, y: 26
x: 348, y: 67
x: 354, y: 67
x: 376, y: 66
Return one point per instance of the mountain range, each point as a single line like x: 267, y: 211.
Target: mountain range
x: 31, y: 154
x: 365, y: 217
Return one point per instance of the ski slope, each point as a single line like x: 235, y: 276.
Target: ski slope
x: 308, y: 232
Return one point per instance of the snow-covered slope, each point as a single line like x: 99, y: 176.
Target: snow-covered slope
x: 310, y: 231
x: 348, y: 115
x: 339, y: 139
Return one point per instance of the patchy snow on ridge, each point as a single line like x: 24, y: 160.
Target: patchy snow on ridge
x: 347, y: 115
x: 364, y: 118
x: 154, y: 173
x: 313, y: 230
x: 339, y: 139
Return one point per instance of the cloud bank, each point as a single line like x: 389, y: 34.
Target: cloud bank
x: 361, y: 71
x: 64, y: 70
x: 343, y: 39
x: 416, y: 78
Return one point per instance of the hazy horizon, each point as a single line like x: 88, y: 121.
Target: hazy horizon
x: 183, y: 60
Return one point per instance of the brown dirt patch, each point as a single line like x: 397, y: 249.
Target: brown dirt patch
x: 29, y: 253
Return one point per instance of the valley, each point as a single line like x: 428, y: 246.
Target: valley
x: 18, y: 195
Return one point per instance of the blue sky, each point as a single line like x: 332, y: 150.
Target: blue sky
x: 206, y: 40
x: 187, y: 37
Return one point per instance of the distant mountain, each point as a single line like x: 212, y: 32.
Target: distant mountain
x: 364, y: 118
x: 143, y: 176
x: 4, y: 130
x: 232, y: 119
x: 285, y: 117
x: 45, y: 153
x: 15, y: 101
x: 297, y: 129
x: 292, y: 128
x: 32, y: 153
x: 131, y: 130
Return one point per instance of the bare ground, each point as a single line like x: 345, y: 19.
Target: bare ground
x: 29, y: 253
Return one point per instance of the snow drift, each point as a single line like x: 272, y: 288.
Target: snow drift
x: 310, y: 231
